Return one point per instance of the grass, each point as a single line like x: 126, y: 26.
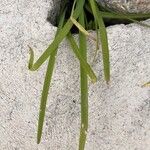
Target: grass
x: 78, y: 19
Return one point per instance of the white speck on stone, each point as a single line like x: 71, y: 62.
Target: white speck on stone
x: 119, y: 115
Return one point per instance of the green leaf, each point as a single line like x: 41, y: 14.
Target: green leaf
x: 31, y: 60
x: 104, y: 40
x: 84, y: 87
x: 47, y: 81
x: 62, y: 34
x: 84, y: 64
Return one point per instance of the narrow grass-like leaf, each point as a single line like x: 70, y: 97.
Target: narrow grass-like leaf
x: 146, y: 84
x: 84, y: 64
x: 47, y: 82
x: 79, y: 26
x: 44, y: 97
x: 104, y: 40
x: 72, y: 11
x: 84, y: 87
x: 62, y: 34
x: 105, y: 49
x: 97, y: 42
x: 131, y: 17
x: 123, y: 16
x: 138, y: 22
x: 31, y: 60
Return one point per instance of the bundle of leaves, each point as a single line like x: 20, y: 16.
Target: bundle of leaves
x: 79, y: 16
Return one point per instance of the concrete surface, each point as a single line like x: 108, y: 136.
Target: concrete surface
x: 119, y: 115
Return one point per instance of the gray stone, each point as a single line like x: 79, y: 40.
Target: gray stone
x: 127, y: 6
x: 119, y: 114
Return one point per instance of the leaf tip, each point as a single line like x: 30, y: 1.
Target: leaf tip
x: 146, y: 85
x: 108, y: 82
x: 38, y: 140
x: 31, y: 59
x: 94, y: 80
